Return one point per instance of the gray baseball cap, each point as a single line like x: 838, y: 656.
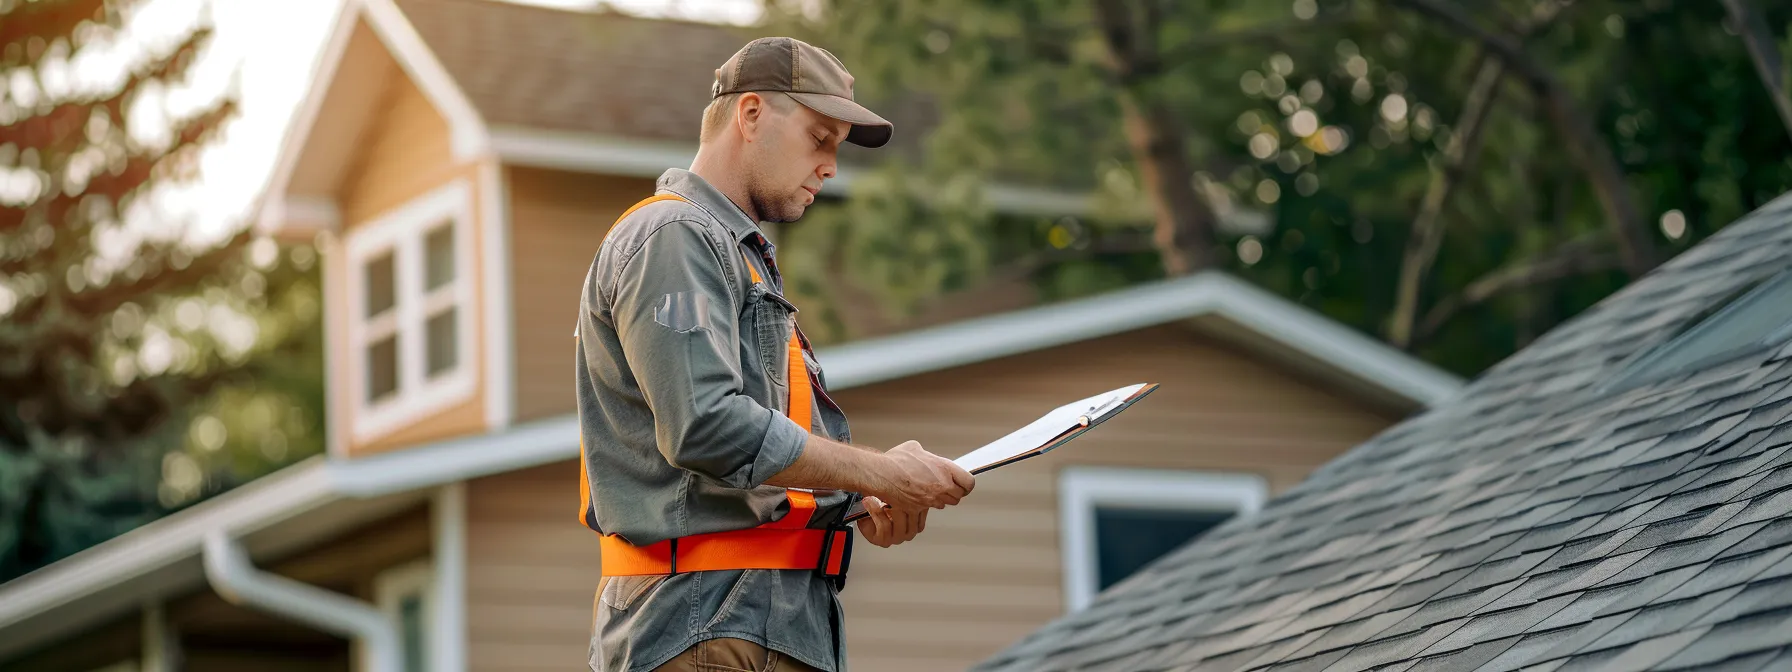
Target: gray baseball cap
x: 807, y: 73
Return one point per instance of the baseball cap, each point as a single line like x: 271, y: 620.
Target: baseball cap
x: 807, y: 73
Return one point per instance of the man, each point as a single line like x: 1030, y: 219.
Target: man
x: 716, y: 467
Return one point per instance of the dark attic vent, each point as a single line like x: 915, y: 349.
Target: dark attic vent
x: 1749, y: 323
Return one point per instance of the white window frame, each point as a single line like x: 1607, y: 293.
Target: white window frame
x: 389, y: 590
x: 1082, y: 489
x: 402, y: 233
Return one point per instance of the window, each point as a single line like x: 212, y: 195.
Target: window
x: 406, y: 595
x: 412, y: 314
x: 1752, y: 321
x: 1114, y: 522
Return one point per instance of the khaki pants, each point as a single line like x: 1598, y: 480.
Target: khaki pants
x: 732, y: 655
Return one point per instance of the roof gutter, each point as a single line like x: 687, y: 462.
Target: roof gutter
x: 228, y: 569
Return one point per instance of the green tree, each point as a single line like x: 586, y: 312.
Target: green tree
x: 1458, y: 177
x: 116, y: 325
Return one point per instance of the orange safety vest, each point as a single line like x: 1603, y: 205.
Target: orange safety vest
x: 786, y: 543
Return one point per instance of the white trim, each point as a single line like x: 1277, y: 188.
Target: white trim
x: 1082, y: 489
x: 239, y: 582
x: 468, y: 133
x: 468, y: 137
x: 520, y: 447
x: 391, y: 586
x: 1212, y: 292
x: 588, y: 152
x: 448, y: 517
x: 496, y: 312
x: 298, y: 132
x: 401, y: 233
x: 293, y: 215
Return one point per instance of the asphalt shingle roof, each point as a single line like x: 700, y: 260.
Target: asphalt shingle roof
x: 1535, y: 522
x: 600, y: 72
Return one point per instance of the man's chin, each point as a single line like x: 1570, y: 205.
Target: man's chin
x: 788, y: 214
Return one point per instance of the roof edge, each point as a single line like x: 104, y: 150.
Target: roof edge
x: 1205, y: 293
x: 266, y: 501
x: 468, y: 134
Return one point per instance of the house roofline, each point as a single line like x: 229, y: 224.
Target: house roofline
x: 468, y: 135
x: 317, y: 482
x: 1210, y: 293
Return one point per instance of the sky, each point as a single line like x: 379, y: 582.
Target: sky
x: 267, y: 50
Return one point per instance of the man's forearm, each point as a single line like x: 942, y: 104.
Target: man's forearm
x: 831, y: 465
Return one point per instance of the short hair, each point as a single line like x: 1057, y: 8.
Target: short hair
x: 721, y: 111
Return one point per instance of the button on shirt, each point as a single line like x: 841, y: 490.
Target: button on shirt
x: 682, y: 364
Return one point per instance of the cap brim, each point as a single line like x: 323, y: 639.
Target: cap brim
x: 868, y: 129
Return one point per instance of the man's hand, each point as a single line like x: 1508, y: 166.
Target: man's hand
x: 916, y: 480
x: 886, y: 527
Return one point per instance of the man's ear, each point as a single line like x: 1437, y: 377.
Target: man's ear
x: 749, y: 113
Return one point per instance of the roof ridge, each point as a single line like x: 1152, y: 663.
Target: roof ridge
x: 598, y: 9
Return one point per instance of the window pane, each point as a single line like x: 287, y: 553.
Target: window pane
x: 439, y: 255
x: 382, y: 368
x: 381, y: 285
x: 1128, y: 539
x: 410, y: 616
x: 442, y: 344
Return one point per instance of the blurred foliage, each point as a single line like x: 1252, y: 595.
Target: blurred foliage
x: 141, y: 368
x: 1326, y: 119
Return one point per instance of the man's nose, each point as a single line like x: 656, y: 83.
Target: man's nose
x: 827, y: 171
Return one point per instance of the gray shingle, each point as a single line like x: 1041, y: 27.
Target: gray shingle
x: 1756, y: 632
x: 1535, y: 522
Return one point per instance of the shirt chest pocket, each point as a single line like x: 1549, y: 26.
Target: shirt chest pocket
x: 773, y: 318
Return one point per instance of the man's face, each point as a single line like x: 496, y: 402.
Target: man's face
x: 794, y: 152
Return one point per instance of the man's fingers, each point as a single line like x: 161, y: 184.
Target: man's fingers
x: 879, y: 534
x: 963, y: 479
x: 900, y: 531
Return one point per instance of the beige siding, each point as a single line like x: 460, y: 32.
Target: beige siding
x: 985, y: 574
x: 982, y: 575
x: 557, y: 221
x: 531, y: 571
x: 406, y: 155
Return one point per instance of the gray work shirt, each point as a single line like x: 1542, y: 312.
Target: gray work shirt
x: 682, y: 391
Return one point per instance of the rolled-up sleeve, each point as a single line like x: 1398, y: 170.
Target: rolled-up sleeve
x: 678, y: 323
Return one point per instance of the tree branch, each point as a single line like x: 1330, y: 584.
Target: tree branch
x: 1766, y: 55
x: 1459, y: 157
x: 1573, y: 258
x: 1573, y: 127
x: 1427, y: 233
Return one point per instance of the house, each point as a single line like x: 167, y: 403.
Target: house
x: 1617, y: 496
x: 459, y: 178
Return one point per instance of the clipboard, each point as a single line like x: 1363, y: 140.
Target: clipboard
x: 1050, y: 432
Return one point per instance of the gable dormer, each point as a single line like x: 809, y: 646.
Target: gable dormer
x: 386, y: 167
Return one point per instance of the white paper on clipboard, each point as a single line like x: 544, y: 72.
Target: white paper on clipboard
x: 1047, y: 427
x: 1038, y: 434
